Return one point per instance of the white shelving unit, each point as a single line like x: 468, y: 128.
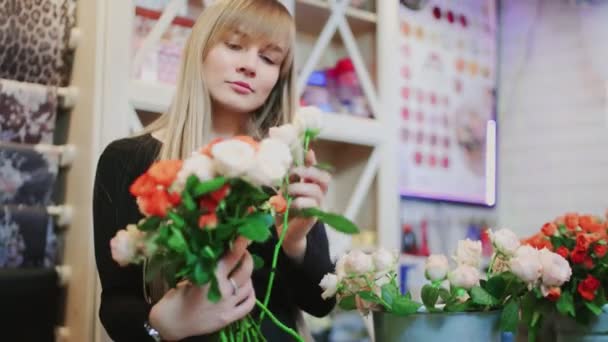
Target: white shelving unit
x: 362, y: 150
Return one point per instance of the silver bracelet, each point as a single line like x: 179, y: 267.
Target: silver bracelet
x: 152, y: 332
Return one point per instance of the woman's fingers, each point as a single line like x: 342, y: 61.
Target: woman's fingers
x: 306, y: 190
x: 243, y: 272
x: 232, y: 257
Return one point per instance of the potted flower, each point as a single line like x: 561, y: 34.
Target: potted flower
x: 579, y: 304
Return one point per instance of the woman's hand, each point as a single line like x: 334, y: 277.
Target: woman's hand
x: 186, y: 311
x: 308, y: 187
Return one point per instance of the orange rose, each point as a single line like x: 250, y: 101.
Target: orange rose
x: 582, y: 242
x: 206, y: 150
x: 208, y: 221
x: 164, y: 172
x: 554, y: 294
x: 155, y: 204
x: 549, y: 229
x: 144, y: 185
x: 278, y: 203
x: 571, y: 221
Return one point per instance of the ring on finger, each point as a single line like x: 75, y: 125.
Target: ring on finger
x: 234, y: 286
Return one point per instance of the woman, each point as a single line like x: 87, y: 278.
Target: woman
x: 236, y: 78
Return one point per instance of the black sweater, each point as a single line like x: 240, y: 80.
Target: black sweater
x: 123, y: 308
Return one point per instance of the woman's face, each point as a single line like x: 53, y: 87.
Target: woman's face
x: 240, y: 73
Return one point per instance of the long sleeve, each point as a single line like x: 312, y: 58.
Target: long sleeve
x: 123, y: 308
x: 304, y: 277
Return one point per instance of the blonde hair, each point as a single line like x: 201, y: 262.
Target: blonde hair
x: 187, y: 124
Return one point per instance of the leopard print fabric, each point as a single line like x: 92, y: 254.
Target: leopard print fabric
x: 34, y: 37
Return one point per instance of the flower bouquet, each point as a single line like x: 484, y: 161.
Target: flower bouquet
x: 582, y: 271
x: 195, y: 209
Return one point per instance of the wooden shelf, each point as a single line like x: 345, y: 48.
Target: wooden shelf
x: 311, y: 17
x: 156, y: 97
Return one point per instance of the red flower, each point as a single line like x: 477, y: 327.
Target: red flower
x: 582, y: 242
x: 164, y: 172
x: 588, y: 263
x: 278, y: 203
x: 549, y: 229
x: 220, y: 194
x: 155, y: 204
x: 587, y: 287
x: 600, y: 250
x: 571, y: 221
x: 207, y: 203
x: 144, y: 185
x: 208, y: 221
x: 563, y: 251
x: 554, y: 294
x: 578, y: 257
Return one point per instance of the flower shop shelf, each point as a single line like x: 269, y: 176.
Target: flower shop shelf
x: 311, y: 16
x: 156, y: 97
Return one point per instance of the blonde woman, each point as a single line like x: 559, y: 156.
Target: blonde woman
x: 236, y: 78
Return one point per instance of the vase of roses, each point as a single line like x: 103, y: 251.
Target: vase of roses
x: 460, y: 302
x: 578, y: 307
x: 196, y: 208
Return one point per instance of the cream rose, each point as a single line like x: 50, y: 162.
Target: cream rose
x: 308, y: 119
x: 125, y: 244
x: 232, y: 157
x: 358, y: 262
x: 329, y: 284
x: 464, y: 276
x: 384, y: 260
x: 505, y: 241
x: 468, y: 253
x: 436, y: 267
x: 198, y: 165
x: 555, y: 269
x: 526, y: 264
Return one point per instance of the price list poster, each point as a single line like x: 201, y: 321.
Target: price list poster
x: 447, y: 84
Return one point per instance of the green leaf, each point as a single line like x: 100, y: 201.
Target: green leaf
x: 509, y: 319
x: 496, y: 286
x: 207, y: 252
x: 444, y: 294
x: 535, y: 318
x: 429, y: 296
x: 149, y: 223
x: 200, y: 276
x: 565, y: 304
x: 176, y: 241
x: 256, y: 227
x: 403, y: 306
x: 206, y: 187
x: 337, y: 222
x: 369, y: 296
x: 482, y: 297
x: 527, y: 307
x: 258, y: 262
x: 389, y: 293
x: 178, y: 221
x: 593, y: 308
x: 456, y: 306
x: 348, y: 303
x: 214, y: 294
x: 187, y: 201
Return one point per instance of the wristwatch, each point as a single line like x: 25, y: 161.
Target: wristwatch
x: 152, y: 332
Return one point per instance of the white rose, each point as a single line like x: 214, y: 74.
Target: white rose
x: 340, y: 272
x: 232, y: 157
x: 358, y: 262
x: 436, y: 267
x: 464, y: 276
x: 271, y: 163
x: 526, y: 264
x: 468, y: 253
x: 199, y: 165
x: 308, y: 118
x: 384, y: 260
x: 287, y: 133
x: 125, y: 244
x: 556, y: 270
x: 329, y: 284
x: 505, y: 241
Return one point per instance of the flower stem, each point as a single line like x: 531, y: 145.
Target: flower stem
x: 223, y: 337
x: 306, y: 143
x: 278, y: 323
x: 275, y: 257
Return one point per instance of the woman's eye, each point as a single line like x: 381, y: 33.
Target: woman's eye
x: 232, y: 46
x: 268, y: 60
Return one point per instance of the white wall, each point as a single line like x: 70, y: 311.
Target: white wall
x: 553, y: 129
